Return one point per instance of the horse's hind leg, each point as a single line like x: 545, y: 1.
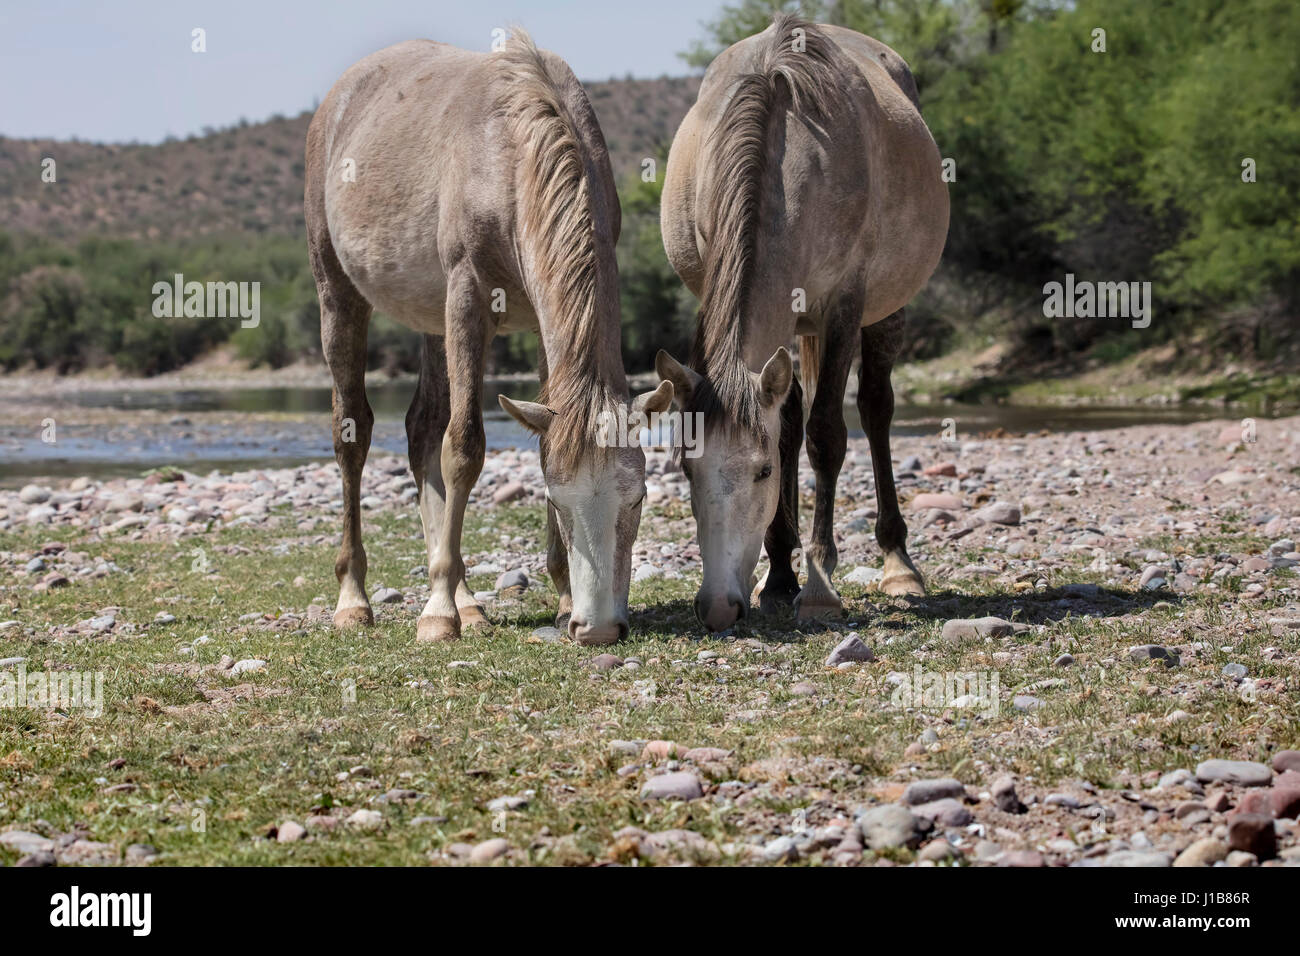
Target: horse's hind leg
x: 344, y: 321
x: 426, y: 421
x: 880, y: 345
x: 463, y: 446
x: 827, y: 443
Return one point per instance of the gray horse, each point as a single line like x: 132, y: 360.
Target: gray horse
x: 803, y: 196
x: 468, y: 195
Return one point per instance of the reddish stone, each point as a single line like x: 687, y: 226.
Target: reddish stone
x: 1021, y: 858
x: 1285, y: 802
x: 1256, y: 801
x: 1217, y: 802
x: 1285, y: 760
x: 928, y: 500
x: 944, y: 468
x: 1231, y: 435
x: 1254, y: 833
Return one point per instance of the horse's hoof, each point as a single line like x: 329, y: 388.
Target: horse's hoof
x: 471, y: 616
x: 772, y: 601
x: 431, y: 629
x: 347, y: 617
x: 814, y: 606
x: 902, y: 583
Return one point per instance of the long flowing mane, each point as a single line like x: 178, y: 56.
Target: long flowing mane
x: 558, y: 229
x: 812, y: 69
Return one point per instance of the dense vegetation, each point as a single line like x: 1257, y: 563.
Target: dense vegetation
x: 1122, y: 165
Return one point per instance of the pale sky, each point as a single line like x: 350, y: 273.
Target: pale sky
x: 123, y: 70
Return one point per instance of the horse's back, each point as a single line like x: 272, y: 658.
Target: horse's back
x: 402, y: 176
x: 859, y: 195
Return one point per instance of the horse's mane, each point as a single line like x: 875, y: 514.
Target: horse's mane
x: 557, y: 226
x: 816, y: 77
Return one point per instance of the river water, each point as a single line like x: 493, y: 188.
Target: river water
x: 184, y: 432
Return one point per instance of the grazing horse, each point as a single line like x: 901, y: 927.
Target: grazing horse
x: 803, y: 196
x: 468, y: 195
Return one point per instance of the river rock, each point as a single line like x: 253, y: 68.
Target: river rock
x: 999, y: 512
x: 1204, y: 852
x: 1285, y: 760
x: 927, y: 500
x: 22, y: 841
x: 512, y: 583
x: 290, y: 831
x: 510, y: 491
x: 849, y: 649
x: 891, y: 826
x: 977, y: 627
x: 680, y: 785
x: 34, y: 495
x: 489, y: 850
x: 1004, y: 795
x: 1252, y: 833
x: 946, y: 812
x: 927, y: 791
x: 1244, y: 773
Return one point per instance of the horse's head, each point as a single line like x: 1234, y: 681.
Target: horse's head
x: 736, y: 480
x: 595, y: 483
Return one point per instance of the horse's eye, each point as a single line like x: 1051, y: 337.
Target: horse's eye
x: 765, y: 473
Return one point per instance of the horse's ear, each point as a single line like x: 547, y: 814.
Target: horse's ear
x: 652, y: 403
x: 536, y: 418
x: 775, y: 379
x: 684, y: 379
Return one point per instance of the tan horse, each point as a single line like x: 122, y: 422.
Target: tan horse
x: 468, y: 195
x: 803, y: 196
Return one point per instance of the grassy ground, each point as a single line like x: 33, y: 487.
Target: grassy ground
x: 217, y: 761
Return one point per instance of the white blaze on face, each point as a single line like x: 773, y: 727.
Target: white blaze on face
x: 598, y: 509
x: 735, y: 490
x: 598, y: 516
x: 735, y: 487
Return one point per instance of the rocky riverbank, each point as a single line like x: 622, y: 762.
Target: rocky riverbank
x: 1106, y: 670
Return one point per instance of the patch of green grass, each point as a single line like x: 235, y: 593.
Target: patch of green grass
x: 217, y: 760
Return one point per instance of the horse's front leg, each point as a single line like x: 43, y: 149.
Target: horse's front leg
x: 827, y: 441
x: 468, y: 333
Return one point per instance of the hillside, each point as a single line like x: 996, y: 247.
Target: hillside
x: 249, y: 178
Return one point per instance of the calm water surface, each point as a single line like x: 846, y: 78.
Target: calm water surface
x: 198, y: 442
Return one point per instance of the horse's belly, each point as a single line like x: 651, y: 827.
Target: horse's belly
x: 414, y: 292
